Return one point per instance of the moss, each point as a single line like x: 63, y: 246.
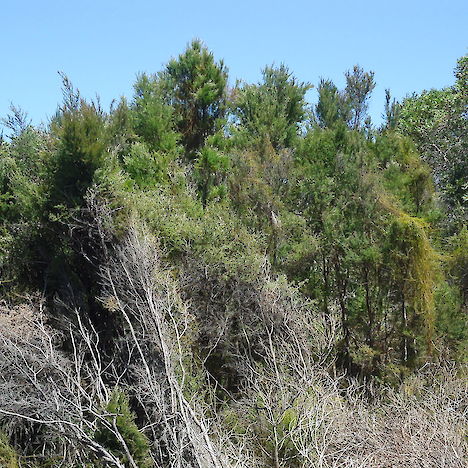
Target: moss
x: 8, y: 455
x: 416, y: 263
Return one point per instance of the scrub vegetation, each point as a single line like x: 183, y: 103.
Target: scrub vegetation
x: 215, y: 276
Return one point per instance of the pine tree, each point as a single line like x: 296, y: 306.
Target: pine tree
x: 195, y: 85
x: 359, y: 86
x: 271, y: 111
x: 332, y: 105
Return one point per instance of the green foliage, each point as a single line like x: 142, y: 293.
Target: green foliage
x: 406, y: 176
x: 347, y: 217
x: 80, y: 131
x: 451, y: 324
x: 359, y: 86
x: 257, y: 183
x: 436, y: 121
x: 120, y: 419
x: 153, y: 119
x: 362, y: 247
x: 8, y: 455
x: 211, y: 168
x: 24, y: 165
x: 332, y: 106
x: 195, y: 86
x: 348, y: 106
x: 461, y: 75
x: 273, y: 214
x: 458, y: 262
x: 414, y: 272
x: 145, y: 167
x: 214, y: 235
x: 392, y: 111
x: 272, y: 111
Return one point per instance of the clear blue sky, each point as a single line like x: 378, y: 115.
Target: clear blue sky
x: 411, y: 45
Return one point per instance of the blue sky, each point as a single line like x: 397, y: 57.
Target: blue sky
x: 411, y: 45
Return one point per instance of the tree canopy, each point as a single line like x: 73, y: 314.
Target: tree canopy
x: 205, y: 276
